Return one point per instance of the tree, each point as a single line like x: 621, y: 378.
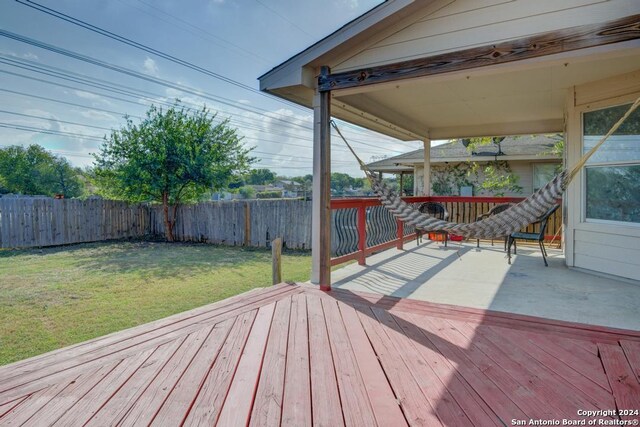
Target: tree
x: 173, y: 156
x: 35, y: 171
x: 260, y: 177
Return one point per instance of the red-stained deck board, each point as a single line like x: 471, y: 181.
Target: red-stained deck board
x: 175, y: 407
x: 492, y: 394
x: 632, y: 352
x: 294, y: 356
x: 590, y: 367
x: 267, y: 406
x: 528, y: 400
x: 206, y: 408
x: 444, y: 405
x: 120, y: 403
x: 384, y: 403
x: 353, y: 392
x: 74, y: 391
x: 31, y: 405
x: 597, y: 395
x: 526, y: 370
x: 145, y: 408
x: 417, y: 410
x: 624, y: 384
x: 296, y: 401
x: 237, y: 406
x: 91, y: 402
x: 5, y: 408
x: 325, y: 398
x: 476, y: 409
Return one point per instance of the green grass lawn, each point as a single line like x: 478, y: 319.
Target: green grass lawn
x: 51, y: 298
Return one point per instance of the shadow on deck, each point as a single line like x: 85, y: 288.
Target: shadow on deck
x: 481, y: 278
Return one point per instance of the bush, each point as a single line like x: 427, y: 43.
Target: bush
x: 269, y: 195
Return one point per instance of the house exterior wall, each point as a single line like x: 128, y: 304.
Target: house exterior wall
x: 603, y: 246
x: 450, y: 25
x: 523, y: 169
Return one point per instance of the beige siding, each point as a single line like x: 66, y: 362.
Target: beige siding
x: 449, y: 25
x: 605, y: 247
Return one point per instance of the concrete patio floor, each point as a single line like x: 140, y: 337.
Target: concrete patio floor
x: 464, y: 275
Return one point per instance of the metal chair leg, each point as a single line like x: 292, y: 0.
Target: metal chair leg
x: 544, y: 255
x: 509, y: 249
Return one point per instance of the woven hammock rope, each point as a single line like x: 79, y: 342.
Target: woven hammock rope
x: 495, y: 226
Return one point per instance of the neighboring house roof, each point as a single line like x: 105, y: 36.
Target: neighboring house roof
x: 532, y: 148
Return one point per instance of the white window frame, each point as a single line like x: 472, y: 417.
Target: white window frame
x: 601, y: 105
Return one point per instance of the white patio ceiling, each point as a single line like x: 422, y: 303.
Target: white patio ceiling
x: 524, y: 98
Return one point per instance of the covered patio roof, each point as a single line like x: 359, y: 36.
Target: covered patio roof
x: 393, y: 72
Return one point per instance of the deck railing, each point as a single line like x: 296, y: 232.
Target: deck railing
x: 362, y: 226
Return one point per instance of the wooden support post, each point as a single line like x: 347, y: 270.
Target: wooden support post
x: 400, y: 234
x: 426, y: 186
x: 276, y: 261
x: 321, y: 214
x: 362, y: 234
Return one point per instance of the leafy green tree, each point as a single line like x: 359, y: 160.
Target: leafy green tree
x: 499, y: 178
x: 260, y: 177
x: 171, y: 157
x: 35, y: 171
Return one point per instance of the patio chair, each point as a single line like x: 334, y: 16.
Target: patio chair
x: 494, y: 210
x: 437, y: 210
x: 539, y: 236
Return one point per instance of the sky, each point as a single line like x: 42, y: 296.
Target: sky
x: 67, y: 105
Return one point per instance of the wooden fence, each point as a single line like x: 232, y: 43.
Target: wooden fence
x: 32, y: 222
x: 243, y: 222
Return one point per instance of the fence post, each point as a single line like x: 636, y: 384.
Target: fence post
x: 362, y: 234
x: 276, y: 261
x: 400, y: 234
x: 247, y: 224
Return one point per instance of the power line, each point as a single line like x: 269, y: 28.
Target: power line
x: 284, y: 18
x: 141, y: 46
x: 53, y: 119
x: 168, y: 104
x: 67, y: 103
x: 148, y: 49
x: 49, y: 131
x: 158, y: 81
x: 200, y: 29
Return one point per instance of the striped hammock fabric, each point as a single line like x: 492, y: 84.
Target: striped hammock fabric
x: 494, y: 226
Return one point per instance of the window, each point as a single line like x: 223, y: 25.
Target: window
x: 612, y: 185
x: 543, y: 173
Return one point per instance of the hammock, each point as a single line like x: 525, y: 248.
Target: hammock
x: 495, y: 226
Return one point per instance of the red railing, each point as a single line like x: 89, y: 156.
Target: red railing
x: 461, y: 210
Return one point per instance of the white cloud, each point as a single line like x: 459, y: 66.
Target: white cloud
x: 30, y: 55
x: 86, y: 95
x: 98, y: 115
x: 351, y: 4
x: 151, y: 67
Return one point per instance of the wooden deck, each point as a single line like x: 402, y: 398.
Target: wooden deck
x: 291, y: 355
